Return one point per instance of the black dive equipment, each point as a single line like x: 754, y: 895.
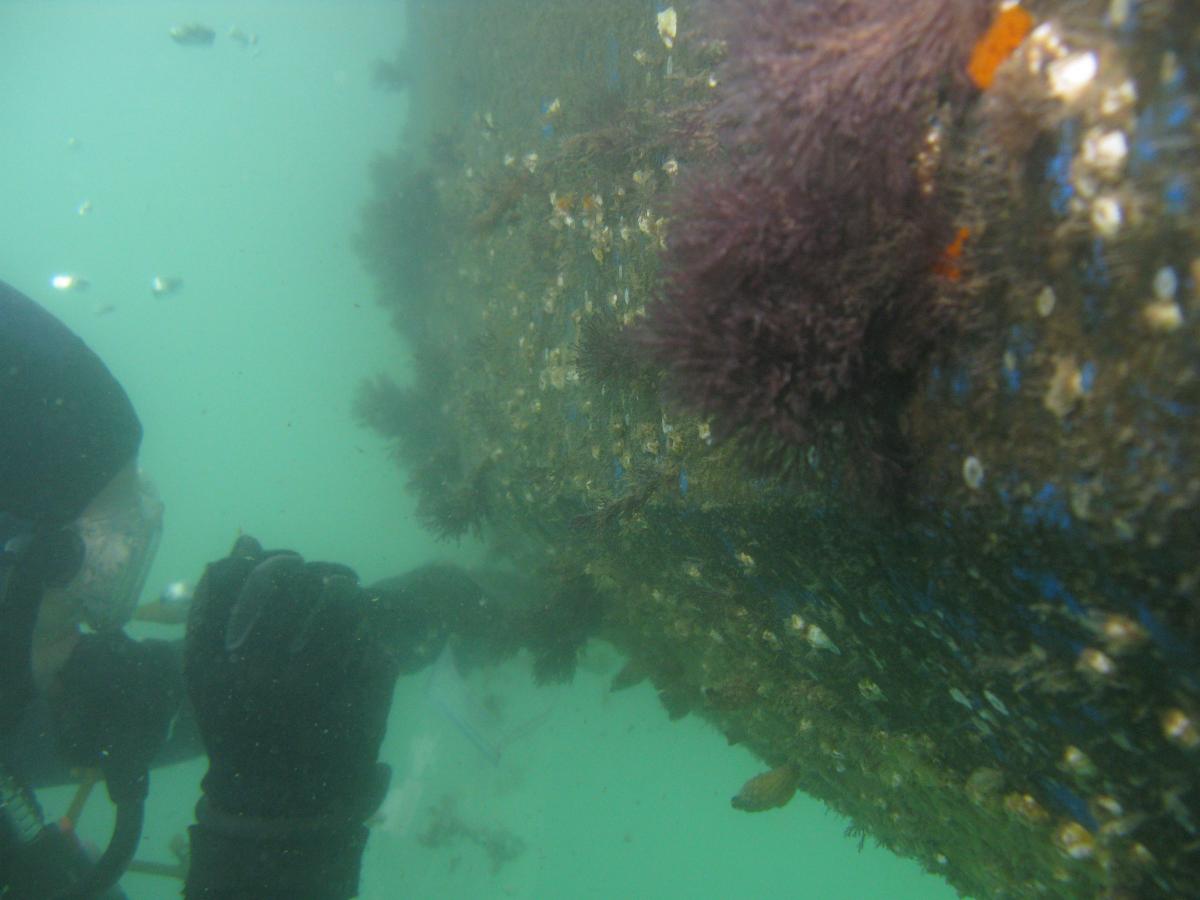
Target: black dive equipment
x: 112, y: 706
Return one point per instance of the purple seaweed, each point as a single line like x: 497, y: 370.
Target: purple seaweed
x: 800, y: 293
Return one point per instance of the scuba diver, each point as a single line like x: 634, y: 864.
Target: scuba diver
x: 284, y: 679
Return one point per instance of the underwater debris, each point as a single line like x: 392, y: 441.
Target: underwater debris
x: 768, y: 790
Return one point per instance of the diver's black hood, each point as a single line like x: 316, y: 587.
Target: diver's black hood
x: 66, y: 425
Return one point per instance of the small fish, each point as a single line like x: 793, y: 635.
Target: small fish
x: 768, y: 790
x: 161, y: 286
x: 65, y: 281
x: 192, y: 35
x: 242, y: 38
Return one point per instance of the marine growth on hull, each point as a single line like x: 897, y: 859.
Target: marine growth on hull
x: 838, y: 362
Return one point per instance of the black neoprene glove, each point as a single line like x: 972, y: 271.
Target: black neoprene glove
x: 113, y: 703
x: 290, y: 669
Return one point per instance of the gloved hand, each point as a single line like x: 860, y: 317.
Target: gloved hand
x: 289, y: 667
x: 113, y: 703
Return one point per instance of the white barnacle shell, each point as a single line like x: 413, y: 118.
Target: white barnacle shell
x: 819, y: 640
x: 668, y: 26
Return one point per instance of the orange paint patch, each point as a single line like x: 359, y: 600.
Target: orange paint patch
x: 1007, y: 31
x: 950, y: 265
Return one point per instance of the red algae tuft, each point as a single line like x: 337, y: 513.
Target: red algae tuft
x: 801, y: 270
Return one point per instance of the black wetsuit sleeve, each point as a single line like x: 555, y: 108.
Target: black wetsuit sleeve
x: 66, y: 425
x: 30, y: 750
x: 435, y: 601
x: 241, y: 857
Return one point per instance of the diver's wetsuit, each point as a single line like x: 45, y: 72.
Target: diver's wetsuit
x: 66, y: 427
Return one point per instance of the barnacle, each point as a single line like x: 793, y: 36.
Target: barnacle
x: 1074, y: 840
x: 668, y: 26
x: 1026, y: 808
x: 1179, y: 729
x: 983, y: 784
x: 1065, y: 388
